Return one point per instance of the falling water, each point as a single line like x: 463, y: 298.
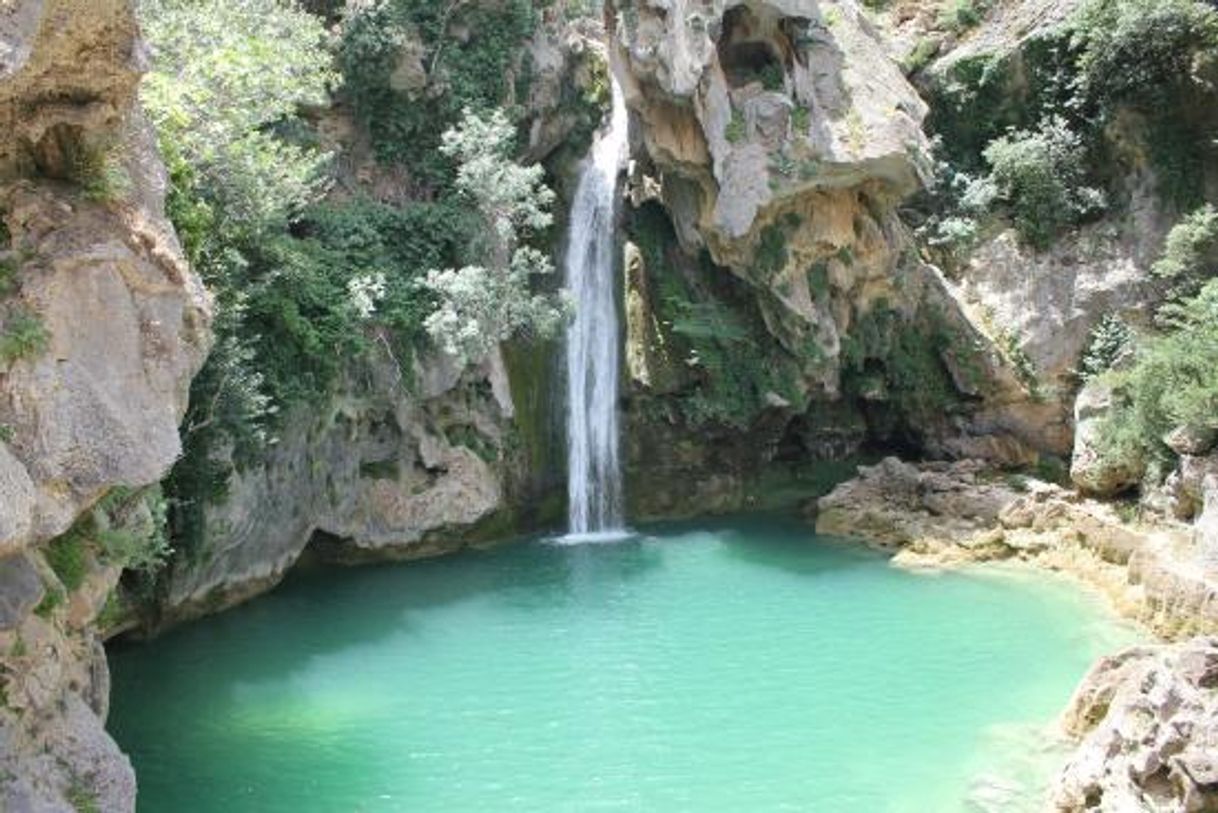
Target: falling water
x: 594, y: 480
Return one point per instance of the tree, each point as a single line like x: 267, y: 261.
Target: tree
x: 227, y: 81
x: 489, y: 300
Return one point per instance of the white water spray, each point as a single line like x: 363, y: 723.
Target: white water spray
x: 594, y: 478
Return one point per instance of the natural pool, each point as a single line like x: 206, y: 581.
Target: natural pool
x: 739, y: 665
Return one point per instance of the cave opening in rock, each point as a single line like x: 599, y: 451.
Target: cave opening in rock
x: 747, y: 54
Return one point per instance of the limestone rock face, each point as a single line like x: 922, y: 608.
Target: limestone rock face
x: 52, y: 730
x: 125, y: 321
x: 780, y: 137
x: 114, y: 325
x: 1089, y: 470
x: 382, y: 473
x: 894, y: 504
x: 942, y: 514
x: 126, y: 326
x: 777, y: 122
x: 760, y: 102
x: 1148, y: 720
x: 65, y: 66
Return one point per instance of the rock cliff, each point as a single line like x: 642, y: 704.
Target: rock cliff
x: 775, y: 300
x: 102, y: 326
x: 383, y: 471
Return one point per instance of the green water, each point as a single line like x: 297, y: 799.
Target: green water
x: 741, y: 666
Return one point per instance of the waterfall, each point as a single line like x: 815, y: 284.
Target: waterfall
x: 594, y: 478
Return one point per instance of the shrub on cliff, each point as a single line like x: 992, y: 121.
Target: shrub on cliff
x: 1190, y: 255
x: 1139, y: 49
x: 1172, y: 383
x: 1039, y: 177
x: 1153, y: 56
x: 409, y: 76
x: 1110, y: 340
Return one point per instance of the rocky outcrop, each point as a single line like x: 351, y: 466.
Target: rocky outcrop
x: 1090, y: 470
x: 1148, y: 721
x: 895, y: 504
x: 778, y: 138
x: 756, y: 103
x: 102, y: 327
x: 382, y: 472
x: 98, y: 401
x: 943, y: 514
x: 1147, y: 717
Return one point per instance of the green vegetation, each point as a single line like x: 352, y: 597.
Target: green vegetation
x: 113, y: 612
x: 1110, y: 339
x: 1190, y: 255
x: 126, y: 529
x: 1172, y: 383
x: 1052, y: 469
x: 310, y: 288
x: 772, y: 77
x: 1145, y: 55
x: 98, y: 170
x: 9, y: 282
x: 1033, y: 136
x: 52, y: 600
x: 801, y: 120
x: 226, y: 85
x: 479, y: 70
x: 901, y: 358
x: 1039, y: 178
x: 960, y: 15
x: 140, y: 545
x: 735, y: 131
x: 923, y: 52
x: 770, y: 257
x: 732, y: 361
x: 68, y: 557
x: 488, y: 301
x: 81, y: 798
x: 22, y: 335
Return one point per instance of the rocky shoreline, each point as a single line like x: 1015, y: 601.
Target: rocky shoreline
x: 1146, y: 719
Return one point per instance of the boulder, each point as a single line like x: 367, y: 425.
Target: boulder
x: 1148, y: 723
x: 1091, y: 471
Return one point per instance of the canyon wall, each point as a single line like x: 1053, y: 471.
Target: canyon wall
x: 102, y: 326
x: 778, y: 307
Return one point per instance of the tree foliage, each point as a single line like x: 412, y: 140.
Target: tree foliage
x: 227, y: 76
x: 229, y: 81
x: 1039, y: 176
x: 482, y: 69
x: 1190, y: 255
x: 1173, y: 383
x: 489, y: 300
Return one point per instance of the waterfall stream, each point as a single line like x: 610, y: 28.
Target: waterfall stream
x: 594, y: 478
